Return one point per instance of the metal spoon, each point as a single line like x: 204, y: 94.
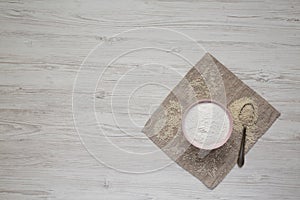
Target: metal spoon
x: 241, y: 158
x: 246, y: 116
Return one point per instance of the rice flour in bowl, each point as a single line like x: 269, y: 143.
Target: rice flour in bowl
x: 207, y: 125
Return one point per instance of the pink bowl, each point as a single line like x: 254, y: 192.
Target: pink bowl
x: 217, y: 144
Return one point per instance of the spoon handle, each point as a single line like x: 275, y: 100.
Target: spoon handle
x: 241, y: 158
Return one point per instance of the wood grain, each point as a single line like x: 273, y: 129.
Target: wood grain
x: 42, y: 47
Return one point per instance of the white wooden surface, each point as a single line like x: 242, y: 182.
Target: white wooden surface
x: 42, y: 46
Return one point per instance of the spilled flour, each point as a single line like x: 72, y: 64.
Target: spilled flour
x: 206, y: 125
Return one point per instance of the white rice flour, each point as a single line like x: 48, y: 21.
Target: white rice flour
x: 206, y: 125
